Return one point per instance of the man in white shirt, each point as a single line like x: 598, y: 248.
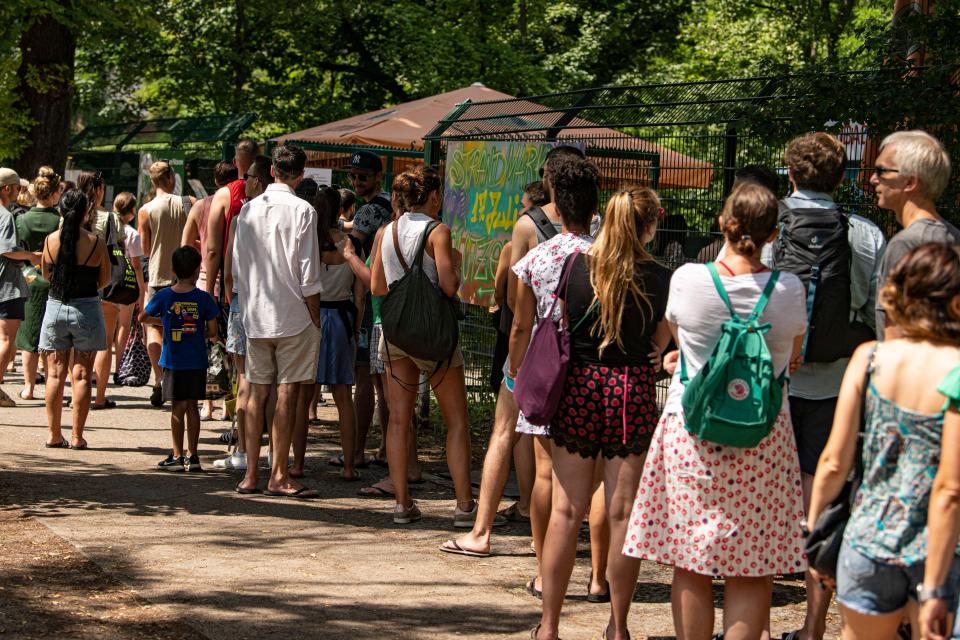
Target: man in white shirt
x: 276, y: 268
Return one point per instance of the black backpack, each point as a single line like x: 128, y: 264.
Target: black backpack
x: 123, y: 287
x: 813, y: 245
x: 415, y: 314
x: 545, y: 228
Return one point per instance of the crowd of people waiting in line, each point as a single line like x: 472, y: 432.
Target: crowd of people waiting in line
x: 305, y: 275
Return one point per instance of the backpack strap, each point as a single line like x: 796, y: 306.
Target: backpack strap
x: 396, y: 247
x: 765, y: 296
x: 811, y: 298
x: 715, y: 275
x: 542, y: 222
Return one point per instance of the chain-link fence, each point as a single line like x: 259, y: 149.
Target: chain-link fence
x: 687, y: 140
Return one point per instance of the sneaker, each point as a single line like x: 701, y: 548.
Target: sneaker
x: 171, y: 463
x: 408, y: 515
x: 193, y: 464
x: 206, y: 416
x: 236, y: 461
x: 156, y: 397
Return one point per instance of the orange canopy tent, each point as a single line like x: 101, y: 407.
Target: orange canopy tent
x: 404, y: 126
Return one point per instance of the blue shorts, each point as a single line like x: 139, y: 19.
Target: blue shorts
x: 874, y: 587
x: 14, y: 309
x: 236, y: 335
x: 77, y: 324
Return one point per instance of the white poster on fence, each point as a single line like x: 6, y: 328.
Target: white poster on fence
x: 321, y: 176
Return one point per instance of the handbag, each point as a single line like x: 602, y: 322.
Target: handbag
x: 123, y: 287
x: 218, y: 372
x: 135, y: 367
x: 539, y: 384
x: 416, y: 316
x: 822, y: 546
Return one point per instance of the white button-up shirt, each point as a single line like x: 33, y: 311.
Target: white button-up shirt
x: 276, y: 262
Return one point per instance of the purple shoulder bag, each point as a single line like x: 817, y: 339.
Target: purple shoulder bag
x: 540, y: 380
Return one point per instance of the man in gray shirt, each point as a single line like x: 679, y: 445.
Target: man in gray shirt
x: 13, y: 286
x: 911, y: 172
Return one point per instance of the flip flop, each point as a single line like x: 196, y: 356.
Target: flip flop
x: 303, y: 493
x: 246, y: 492
x: 531, y: 588
x: 458, y: 550
x: 337, y: 461
x: 63, y: 444
x: 793, y: 635
x: 107, y: 404
x: 354, y: 478
x: 81, y: 446
x: 374, y: 491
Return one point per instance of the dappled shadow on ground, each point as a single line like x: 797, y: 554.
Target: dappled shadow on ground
x: 63, y: 481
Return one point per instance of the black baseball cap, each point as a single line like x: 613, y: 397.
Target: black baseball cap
x: 365, y: 161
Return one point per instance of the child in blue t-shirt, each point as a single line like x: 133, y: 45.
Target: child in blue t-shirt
x: 189, y: 318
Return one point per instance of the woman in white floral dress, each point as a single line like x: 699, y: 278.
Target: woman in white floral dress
x: 714, y: 511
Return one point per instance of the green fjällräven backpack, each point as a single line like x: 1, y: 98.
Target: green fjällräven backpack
x: 735, y: 398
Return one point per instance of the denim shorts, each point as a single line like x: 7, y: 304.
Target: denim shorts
x: 874, y: 587
x: 236, y: 335
x: 77, y: 324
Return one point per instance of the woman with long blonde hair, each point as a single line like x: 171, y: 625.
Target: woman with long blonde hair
x: 615, y: 301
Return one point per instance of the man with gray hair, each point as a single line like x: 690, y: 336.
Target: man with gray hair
x: 13, y: 286
x: 911, y: 172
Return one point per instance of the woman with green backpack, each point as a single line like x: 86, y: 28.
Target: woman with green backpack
x: 720, y: 493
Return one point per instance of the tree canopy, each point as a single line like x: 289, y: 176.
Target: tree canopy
x: 298, y: 63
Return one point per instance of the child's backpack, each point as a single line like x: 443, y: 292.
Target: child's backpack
x: 813, y: 246
x: 735, y: 398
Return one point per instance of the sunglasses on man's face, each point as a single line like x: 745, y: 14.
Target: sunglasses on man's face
x: 880, y: 171
x: 360, y: 177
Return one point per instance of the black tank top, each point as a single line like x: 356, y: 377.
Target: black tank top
x: 85, y: 280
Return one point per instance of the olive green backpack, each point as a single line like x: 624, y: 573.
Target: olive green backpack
x: 735, y: 398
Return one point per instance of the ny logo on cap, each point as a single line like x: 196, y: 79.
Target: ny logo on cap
x: 356, y: 158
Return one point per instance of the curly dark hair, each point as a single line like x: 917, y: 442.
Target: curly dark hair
x: 574, y: 184
x: 921, y: 292
x: 816, y: 161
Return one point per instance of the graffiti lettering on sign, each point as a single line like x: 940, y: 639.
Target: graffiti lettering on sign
x: 483, y: 186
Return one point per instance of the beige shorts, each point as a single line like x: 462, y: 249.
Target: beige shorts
x: 429, y: 366
x: 284, y: 360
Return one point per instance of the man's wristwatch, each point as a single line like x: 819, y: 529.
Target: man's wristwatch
x: 939, y: 593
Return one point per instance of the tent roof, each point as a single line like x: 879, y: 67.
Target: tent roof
x: 400, y: 127
x: 405, y: 126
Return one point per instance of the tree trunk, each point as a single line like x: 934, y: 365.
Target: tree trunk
x: 45, y: 88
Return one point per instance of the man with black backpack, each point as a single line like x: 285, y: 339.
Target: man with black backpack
x: 837, y: 256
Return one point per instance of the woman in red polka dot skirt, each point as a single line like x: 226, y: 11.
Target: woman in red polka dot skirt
x: 716, y: 511
x: 615, y: 300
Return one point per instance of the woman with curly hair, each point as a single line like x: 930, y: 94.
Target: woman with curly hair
x: 899, y: 554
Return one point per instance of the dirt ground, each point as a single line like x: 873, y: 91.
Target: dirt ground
x: 98, y: 544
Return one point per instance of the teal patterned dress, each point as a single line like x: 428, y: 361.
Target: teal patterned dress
x: 901, y: 453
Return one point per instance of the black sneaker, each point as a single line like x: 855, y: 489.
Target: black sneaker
x: 171, y: 463
x: 193, y: 464
x: 156, y: 398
